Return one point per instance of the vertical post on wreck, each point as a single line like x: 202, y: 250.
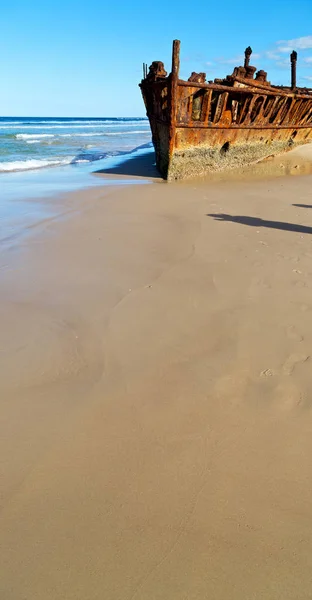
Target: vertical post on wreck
x: 248, y: 53
x: 175, y: 58
x: 173, y: 88
x: 293, y: 61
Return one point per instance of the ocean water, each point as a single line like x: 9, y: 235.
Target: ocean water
x: 43, y: 157
x: 31, y: 143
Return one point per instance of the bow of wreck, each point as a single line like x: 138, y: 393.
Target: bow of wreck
x: 200, y: 126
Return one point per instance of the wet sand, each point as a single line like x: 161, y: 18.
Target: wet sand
x: 155, y: 369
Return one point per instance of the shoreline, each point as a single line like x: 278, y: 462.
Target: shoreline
x: 55, y: 180
x: 26, y: 205
x: 156, y: 347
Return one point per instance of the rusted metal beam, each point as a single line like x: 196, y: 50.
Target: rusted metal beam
x: 225, y: 88
x: 199, y: 125
x: 269, y: 91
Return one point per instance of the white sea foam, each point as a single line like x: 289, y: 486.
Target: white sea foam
x: 26, y: 165
x: 29, y: 136
x: 126, y: 132
x: 103, y: 133
x: 37, y: 137
x: 90, y: 134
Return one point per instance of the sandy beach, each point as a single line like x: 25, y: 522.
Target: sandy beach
x: 155, y: 385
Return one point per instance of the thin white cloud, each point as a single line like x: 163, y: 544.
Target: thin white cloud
x: 284, y: 63
x: 302, y: 43
x: 232, y: 61
x: 196, y: 62
x: 308, y: 78
x: 237, y: 60
x: 307, y: 59
x: 272, y: 55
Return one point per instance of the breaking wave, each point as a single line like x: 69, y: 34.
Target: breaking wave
x: 127, y: 132
x: 26, y: 165
x: 84, y: 156
x: 42, y: 136
x: 29, y: 136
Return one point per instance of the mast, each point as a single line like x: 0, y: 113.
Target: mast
x: 174, y: 76
x: 175, y: 58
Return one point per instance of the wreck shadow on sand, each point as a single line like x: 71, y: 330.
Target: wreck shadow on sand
x: 257, y: 222
x: 303, y: 205
x: 137, y: 166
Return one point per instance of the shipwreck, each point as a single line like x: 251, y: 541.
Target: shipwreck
x: 199, y: 126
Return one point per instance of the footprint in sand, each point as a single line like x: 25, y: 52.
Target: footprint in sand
x: 267, y: 373
x: 232, y: 386
x: 289, y: 397
x: 259, y: 283
x: 304, y: 307
x: 292, y: 361
x: 292, y: 334
x: 257, y: 263
x: 300, y: 284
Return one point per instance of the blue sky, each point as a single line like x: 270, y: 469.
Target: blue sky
x: 79, y: 58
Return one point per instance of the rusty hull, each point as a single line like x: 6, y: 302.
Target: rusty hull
x: 199, y: 127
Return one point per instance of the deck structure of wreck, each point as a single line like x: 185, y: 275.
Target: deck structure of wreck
x: 200, y: 126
